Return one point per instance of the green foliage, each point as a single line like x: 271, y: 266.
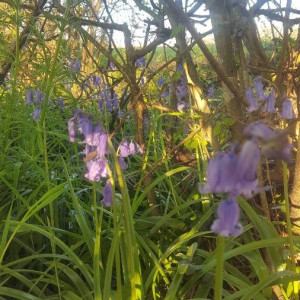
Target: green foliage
x: 59, y: 242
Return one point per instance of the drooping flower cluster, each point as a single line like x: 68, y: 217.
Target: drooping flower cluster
x: 267, y: 101
x: 181, y: 90
x: 95, y: 140
x: 182, y: 86
x: 105, y: 95
x: 107, y: 98
x: 126, y: 149
x: 234, y: 172
x: 92, y: 82
x: 35, y: 97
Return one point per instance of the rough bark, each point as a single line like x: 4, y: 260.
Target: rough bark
x: 295, y: 194
x: 246, y: 28
x: 219, y: 13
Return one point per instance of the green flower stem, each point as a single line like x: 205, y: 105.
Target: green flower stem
x: 97, y: 286
x: 129, y: 231
x: 219, y: 268
x: 289, y: 227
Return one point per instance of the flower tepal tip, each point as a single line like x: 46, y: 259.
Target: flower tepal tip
x: 228, y: 219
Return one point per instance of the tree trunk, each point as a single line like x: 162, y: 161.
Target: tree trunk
x: 295, y: 194
x: 193, y: 80
x: 219, y: 13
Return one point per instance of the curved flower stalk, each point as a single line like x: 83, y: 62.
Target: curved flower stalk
x: 35, y: 97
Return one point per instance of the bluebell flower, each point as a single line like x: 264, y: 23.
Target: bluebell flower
x: 270, y: 103
x: 135, y: 148
x: 36, y: 114
x: 278, y: 147
x: 124, y: 150
x: 228, y: 219
x: 29, y: 97
x: 102, y: 145
x: 39, y: 97
x: 61, y: 102
x: 182, y: 107
x: 122, y: 163
x: 111, y: 66
x: 233, y: 173
x: 249, y: 157
x: 108, y: 194
x: 210, y: 92
x: 258, y: 86
x: 165, y: 93
x: 258, y: 131
x: 161, y: 81
x: 251, y: 100
x: 85, y: 125
x: 140, y: 62
x: 221, y: 173
x: 77, y: 65
x: 95, y: 139
x: 74, y: 64
x: 182, y: 90
x: 96, y: 169
x: 181, y: 86
x: 274, y: 144
x: 287, y: 110
x: 108, y: 97
x: 72, y: 130
x: 96, y: 80
x: 92, y: 134
x: 181, y: 68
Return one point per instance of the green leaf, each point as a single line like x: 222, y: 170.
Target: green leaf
x: 191, y: 144
x: 228, y: 121
x: 217, y: 129
x: 177, y: 75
